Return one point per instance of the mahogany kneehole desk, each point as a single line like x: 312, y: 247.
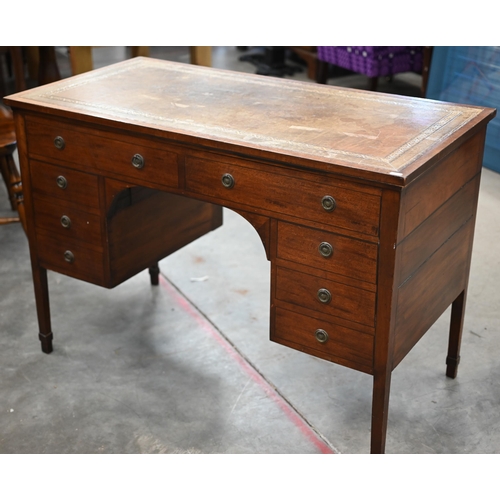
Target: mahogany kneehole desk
x: 365, y: 202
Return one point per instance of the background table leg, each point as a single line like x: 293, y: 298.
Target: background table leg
x: 202, y: 56
x: 140, y: 51
x: 81, y: 59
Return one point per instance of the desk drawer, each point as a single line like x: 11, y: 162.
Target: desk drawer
x: 65, y: 184
x: 269, y: 190
x: 327, y: 251
x: 71, y: 257
x: 101, y: 151
x: 324, y: 339
x: 325, y: 296
x: 65, y: 219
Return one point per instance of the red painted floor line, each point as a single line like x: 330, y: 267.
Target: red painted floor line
x: 206, y: 326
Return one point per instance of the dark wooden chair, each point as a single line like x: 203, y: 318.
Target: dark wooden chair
x: 12, y: 59
x: 8, y: 168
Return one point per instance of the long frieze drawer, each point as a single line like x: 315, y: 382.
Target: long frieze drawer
x: 65, y: 219
x: 325, y: 296
x: 70, y: 257
x: 65, y: 184
x: 327, y: 251
x: 324, y: 339
x: 102, y: 152
x: 322, y: 203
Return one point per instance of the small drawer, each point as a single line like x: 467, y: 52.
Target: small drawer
x: 325, y: 296
x: 133, y: 160
x: 101, y: 151
x: 65, y: 219
x: 77, y: 188
x: 330, y: 252
x: 324, y: 339
x: 71, y: 257
x: 333, y: 203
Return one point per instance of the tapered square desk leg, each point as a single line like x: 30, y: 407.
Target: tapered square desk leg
x: 380, y: 410
x: 456, y: 327
x: 43, y: 307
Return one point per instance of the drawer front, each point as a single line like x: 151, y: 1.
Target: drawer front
x: 325, y: 296
x: 84, y: 262
x: 350, y: 209
x: 65, y: 184
x: 330, y: 252
x: 102, y: 151
x: 324, y: 339
x: 64, y: 219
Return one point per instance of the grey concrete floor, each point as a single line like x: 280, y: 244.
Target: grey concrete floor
x: 187, y: 367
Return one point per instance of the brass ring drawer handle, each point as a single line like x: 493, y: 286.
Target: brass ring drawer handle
x: 228, y: 181
x: 62, y: 182
x: 69, y: 257
x: 325, y: 249
x: 328, y: 203
x: 59, y: 143
x: 324, y: 296
x: 321, y: 335
x: 65, y: 221
x: 138, y: 161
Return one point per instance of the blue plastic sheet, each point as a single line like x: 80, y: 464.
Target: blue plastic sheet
x: 470, y: 75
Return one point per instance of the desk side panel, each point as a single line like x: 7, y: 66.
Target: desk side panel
x: 432, y: 189
x: 436, y: 234
x: 428, y: 293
